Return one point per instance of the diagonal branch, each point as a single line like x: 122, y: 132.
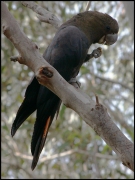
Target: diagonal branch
x: 95, y: 115
x: 43, y: 14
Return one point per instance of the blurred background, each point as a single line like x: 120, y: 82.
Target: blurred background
x: 72, y: 150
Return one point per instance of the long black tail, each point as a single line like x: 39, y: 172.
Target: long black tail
x: 37, y: 97
x: 46, y: 111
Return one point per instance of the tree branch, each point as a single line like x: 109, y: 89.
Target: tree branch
x: 43, y: 14
x: 95, y: 115
x: 88, y: 5
x: 67, y: 153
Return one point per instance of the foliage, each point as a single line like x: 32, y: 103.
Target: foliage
x: 83, y: 154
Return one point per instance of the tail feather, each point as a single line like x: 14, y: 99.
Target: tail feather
x: 40, y: 144
x: 58, y: 109
x: 23, y: 113
x: 28, y: 105
x: 45, y: 114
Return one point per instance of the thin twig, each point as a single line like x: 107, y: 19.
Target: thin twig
x: 88, y: 5
x: 66, y: 153
x: 97, y: 101
x: 114, y: 82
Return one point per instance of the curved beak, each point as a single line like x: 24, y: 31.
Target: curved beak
x: 109, y: 39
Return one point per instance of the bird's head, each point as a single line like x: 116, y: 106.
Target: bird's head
x: 111, y: 29
x: 98, y: 27
x: 101, y: 28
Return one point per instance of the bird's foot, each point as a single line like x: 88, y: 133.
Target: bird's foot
x: 75, y: 83
x: 97, y: 52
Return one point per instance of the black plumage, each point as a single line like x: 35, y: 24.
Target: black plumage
x: 67, y: 52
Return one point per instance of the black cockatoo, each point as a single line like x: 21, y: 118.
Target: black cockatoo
x: 66, y: 53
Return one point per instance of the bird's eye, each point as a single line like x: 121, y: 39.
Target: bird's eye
x: 108, y: 28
